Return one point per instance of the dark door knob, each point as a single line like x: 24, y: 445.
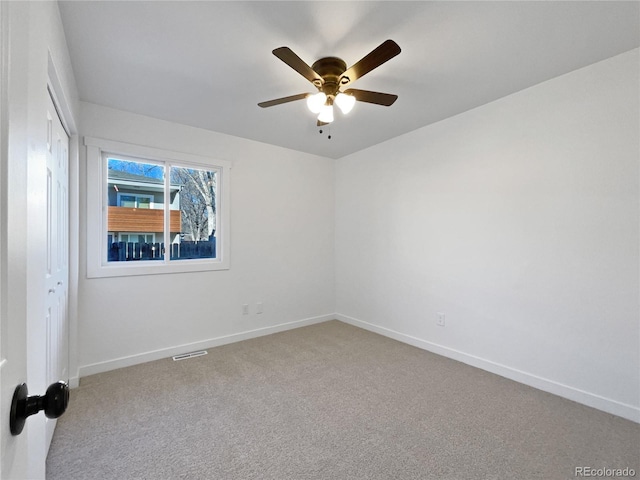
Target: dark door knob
x: 54, y: 403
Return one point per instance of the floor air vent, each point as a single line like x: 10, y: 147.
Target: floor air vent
x: 189, y: 355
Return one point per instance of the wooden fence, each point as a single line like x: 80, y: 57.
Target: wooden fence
x: 134, y: 251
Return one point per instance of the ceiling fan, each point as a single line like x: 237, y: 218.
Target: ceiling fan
x: 330, y: 75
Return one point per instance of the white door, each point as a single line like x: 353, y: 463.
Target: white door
x: 19, y: 453
x: 57, y: 270
x: 13, y: 355
x: 33, y: 245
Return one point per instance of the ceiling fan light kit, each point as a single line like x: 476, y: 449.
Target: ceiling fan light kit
x: 326, y: 114
x: 345, y: 102
x: 315, y: 101
x: 329, y: 75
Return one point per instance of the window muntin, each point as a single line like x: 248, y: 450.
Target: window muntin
x: 189, y: 193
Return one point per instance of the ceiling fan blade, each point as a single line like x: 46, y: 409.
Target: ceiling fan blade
x: 385, y: 99
x: 278, y: 101
x: 384, y: 52
x: 294, y: 61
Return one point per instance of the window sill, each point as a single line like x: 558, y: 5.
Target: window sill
x: 154, y: 267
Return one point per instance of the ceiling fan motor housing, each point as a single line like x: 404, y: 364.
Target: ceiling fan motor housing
x: 331, y: 70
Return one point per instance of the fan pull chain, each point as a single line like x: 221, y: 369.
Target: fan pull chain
x: 329, y: 133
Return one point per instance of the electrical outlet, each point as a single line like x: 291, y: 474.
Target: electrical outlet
x: 440, y: 321
x: 259, y: 307
x: 245, y: 309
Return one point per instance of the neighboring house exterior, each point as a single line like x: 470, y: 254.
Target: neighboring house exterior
x: 136, y: 209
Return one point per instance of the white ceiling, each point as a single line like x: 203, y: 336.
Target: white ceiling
x: 208, y: 64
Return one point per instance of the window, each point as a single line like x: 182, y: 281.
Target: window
x: 152, y: 211
x: 132, y: 237
x: 135, y: 201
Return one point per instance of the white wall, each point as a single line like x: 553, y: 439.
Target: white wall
x: 519, y: 220
x: 282, y: 253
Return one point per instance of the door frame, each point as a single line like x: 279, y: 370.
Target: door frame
x: 4, y: 78
x: 63, y: 107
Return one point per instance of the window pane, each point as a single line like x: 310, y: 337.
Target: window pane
x: 135, y: 215
x: 128, y: 201
x: 193, y: 193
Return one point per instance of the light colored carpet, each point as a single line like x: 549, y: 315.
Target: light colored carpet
x: 328, y: 401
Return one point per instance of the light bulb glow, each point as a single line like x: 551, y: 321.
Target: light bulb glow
x: 326, y: 114
x: 345, y: 102
x: 316, y: 101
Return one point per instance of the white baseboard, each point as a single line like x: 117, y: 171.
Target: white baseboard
x: 608, y: 405
x: 128, y: 361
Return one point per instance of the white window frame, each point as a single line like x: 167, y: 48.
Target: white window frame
x: 97, y: 194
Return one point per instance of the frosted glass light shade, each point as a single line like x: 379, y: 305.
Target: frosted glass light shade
x: 316, y: 101
x: 345, y: 102
x: 326, y: 114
